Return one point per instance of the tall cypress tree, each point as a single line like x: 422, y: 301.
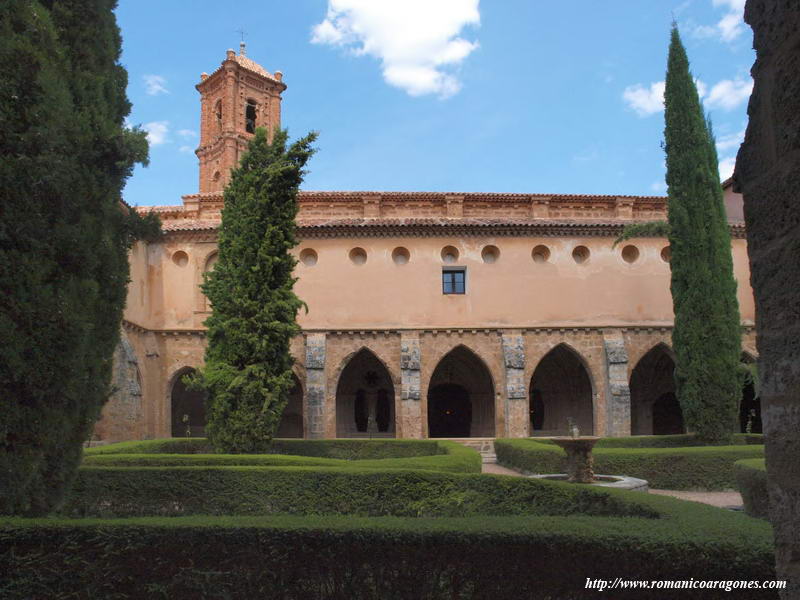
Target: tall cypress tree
x: 707, y: 333
x: 64, y: 237
x: 248, y: 366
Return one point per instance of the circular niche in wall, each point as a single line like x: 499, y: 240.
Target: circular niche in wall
x: 666, y: 254
x: 180, y: 258
x: 630, y: 254
x: 580, y: 254
x: 308, y: 256
x: 449, y: 254
x: 401, y: 255
x: 358, y: 256
x: 540, y: 254
x: 490, y: 254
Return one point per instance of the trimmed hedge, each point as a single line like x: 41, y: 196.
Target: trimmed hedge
x: 674, y: 441
x: 180, y: 491
x: 427, y: 456
x: 346, y: 449
x: 700, y: 467
x: 503, y: 558
x: 751, y: 480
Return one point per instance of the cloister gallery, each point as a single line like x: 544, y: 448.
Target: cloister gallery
x: 429, y: 314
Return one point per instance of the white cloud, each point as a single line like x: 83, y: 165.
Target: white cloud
x: 417, y: 41
x: 157, y: 132
x: 728, y: 93
x: 187, y: 133
x: 155, y: 85
x: 645, y: 101
x: 185, y: 149
x: 729, y: 27
x: 726, y: 166
x: 659, y: 187
x: 730, y: 141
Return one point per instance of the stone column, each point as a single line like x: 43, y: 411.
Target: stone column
x: 618, y: 393
x: 516, y: 400
x: 315, y: 384
x: 410, y: 412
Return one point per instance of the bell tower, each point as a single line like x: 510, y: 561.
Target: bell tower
x: 235, y: 99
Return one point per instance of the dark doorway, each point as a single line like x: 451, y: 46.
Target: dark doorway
x: 188, y: 408
x: 561, y: 390
x: 667, y: 415
x: 449, y: 411
x: 654, y: 407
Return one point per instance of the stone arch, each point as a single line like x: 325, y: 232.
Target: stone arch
x: 561, y: 388
x: 654, y: 406
x: 365, y: 397
x: 461, y: 396
x: 185, y: 402
x: 749, y: 404
x: 292, y: 424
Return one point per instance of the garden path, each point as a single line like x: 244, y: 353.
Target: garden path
x: 719, y: 499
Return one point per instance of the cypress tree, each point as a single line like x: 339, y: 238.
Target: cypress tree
x: 707, y: 334
x: 248, y: 373
x: 64, y: 237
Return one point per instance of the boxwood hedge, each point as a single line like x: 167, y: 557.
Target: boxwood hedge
x: 503, y: 558
x: 751, y: 479
x: 430, y: 456
x: 179, y: 491
x: 686, y: 468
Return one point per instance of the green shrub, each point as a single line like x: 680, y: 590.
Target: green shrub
x: 751, y: 480
x: 345, y: 449
x: 502, y: 558
x: 179, y: 491
x: 673, y: 441
x: 360, y: 454
x: 699, y: 467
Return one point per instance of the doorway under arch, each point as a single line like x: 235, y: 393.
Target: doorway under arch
x: 188, y: 407
x: 560, y: 391
x: 461, y: 397
x: 654, y: 407
x: 291, y: 425
x: 365, y: 398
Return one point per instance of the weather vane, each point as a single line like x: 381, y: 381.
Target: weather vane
x: 241, y: 44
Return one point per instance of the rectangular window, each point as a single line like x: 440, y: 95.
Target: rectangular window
x: 453, y: 281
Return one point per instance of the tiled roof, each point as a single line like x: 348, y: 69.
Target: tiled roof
x: 190, y: 225
x: 251, y: 65
x: 468, y: 196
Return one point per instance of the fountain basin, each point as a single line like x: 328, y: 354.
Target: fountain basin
x: 619, y: 482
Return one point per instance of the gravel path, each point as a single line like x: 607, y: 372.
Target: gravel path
x: 719, y: 499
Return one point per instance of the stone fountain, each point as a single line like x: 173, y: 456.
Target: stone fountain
x: 579, y: 457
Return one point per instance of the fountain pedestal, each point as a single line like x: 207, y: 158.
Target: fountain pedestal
x: 579, y: 457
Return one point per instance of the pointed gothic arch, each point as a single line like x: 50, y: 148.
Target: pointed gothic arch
x: 291, y: 425
x: 461, y: 396
x: 187, y: 407
x: 365, y: 398
x: 654, y: 406
x: 561, y: 389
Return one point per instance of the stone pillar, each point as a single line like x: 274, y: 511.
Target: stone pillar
x: 768, y: 176
x: 410, y: 411
x: 315, y: 385
x: 516, y: 400
x: 618, y: 393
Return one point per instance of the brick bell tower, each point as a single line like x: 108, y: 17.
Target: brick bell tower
x: 235, y: 99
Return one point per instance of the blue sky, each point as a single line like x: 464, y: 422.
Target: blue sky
x: 518, y: 96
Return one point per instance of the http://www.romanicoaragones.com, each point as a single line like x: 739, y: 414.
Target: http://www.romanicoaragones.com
x: 619, y: 583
